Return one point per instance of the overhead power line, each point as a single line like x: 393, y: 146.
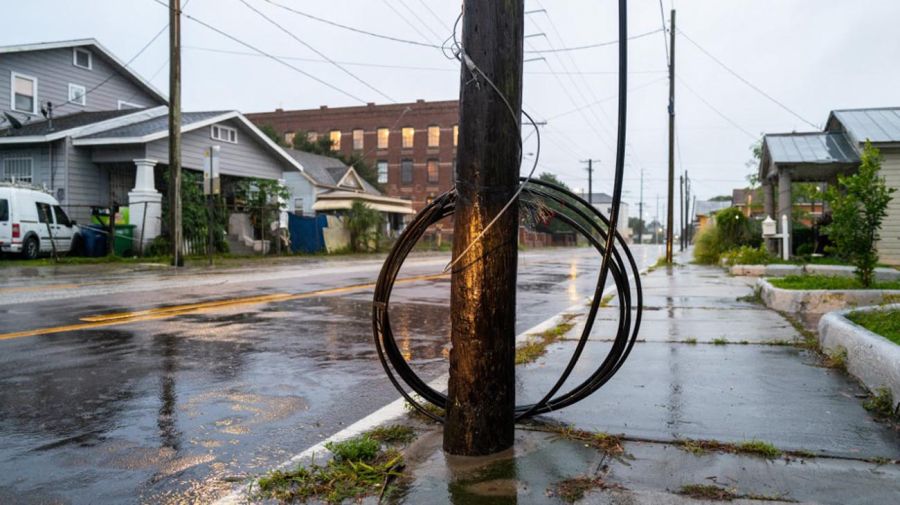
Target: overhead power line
x: 662, y: 16
x: 717, y: 111
x: 745, y: 81
x: 406, y: 20
x: 420, y: 20
x: 268, y: 55
x: 591, y: 46
x: 313, y: 49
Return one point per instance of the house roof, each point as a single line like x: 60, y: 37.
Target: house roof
x: 102, y: 52
x: 64, y: 123
x: 876, y: 124
x: 706, y: 207
x: 319, y: 168
x: 598, y: 198
x: 811, y: 148
x: 156, y: 125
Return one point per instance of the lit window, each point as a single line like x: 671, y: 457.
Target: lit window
x: 409, y: 135
x: 223, y: 133
x: 406, y: 172
x: 335, y: 137
x: 433, y: 171
x: 358, y: 140
x: 82, y: 58
x: 77, y: 94
x: 434, y: 136
x: 289, y: 138
x: 17, y: 169
x: 383, y: 136
x: 455, y: 134
x: 382, y: 172
x: 312, y: 136
x: 24, y: 93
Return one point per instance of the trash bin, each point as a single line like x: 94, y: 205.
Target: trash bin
x: 94, y: 240
x: 124, y: 244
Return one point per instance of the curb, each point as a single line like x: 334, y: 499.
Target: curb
x: 781, y: 270
x: 818, y: 302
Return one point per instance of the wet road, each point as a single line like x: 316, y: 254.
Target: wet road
x: 147, y: 386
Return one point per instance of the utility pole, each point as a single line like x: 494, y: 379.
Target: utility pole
x: 175, y: 131
x: 656, y: 231
x: 590, y: 170
x: 671, y: 210
x: 480, y: 416
x: 687, y: 209
x: 681, y: 212
x: 641, y: 211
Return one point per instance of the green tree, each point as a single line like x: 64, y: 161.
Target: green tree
x: 753, y: 163
x: 364, y: 224
x: 553, y: 179
x: 195, y: 216
x: 859, y: 205
x: 265, y: 199
x: 272, y: 133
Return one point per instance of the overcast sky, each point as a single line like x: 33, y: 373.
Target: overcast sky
x: 812, y: 56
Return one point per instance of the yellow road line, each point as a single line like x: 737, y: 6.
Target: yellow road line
x: 121, y: 318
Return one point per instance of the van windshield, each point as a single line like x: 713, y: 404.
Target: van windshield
x: 4, y: 210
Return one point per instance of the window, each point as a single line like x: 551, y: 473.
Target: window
x: 82, y: 58
x: 433, y: 171
x: 409, y: 135
x: 358, y: 139
x: 406, y: 172
x: 77, y: 94
x: 123, y: 105
x: 4, y: 210
x: 383, y: 137
x: 18, y: 169
x: 43, y: 210
x: 455, y: 134
x: 312, y: 136
x: 335, y: 137
x: 289, y: 138
x: 298, y: 206
x: 434, y: 136
x: 382, y: 171
x: 24, y: 93
x: 223, y: 133
x: 61, y: 217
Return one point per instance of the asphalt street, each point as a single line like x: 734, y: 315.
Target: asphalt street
x: 140, y: 384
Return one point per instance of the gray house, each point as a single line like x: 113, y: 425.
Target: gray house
x: 77, y: 121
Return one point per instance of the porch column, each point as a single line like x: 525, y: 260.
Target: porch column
x: 145, y: 204
x: 768, y: 188
x: 784, y: 201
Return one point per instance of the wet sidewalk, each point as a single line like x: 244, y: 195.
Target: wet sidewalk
x: 721, y: 399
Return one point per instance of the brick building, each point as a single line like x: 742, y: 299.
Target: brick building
x: 412, y: 145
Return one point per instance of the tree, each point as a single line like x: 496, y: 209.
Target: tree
x: 721, y: 198
x: 272, y: 133
x: 753, y: 163
x: 636, y: 223
x: 364, y: 224
x: 552, y: 179
x: 859, y: 205
x: 265, y: 200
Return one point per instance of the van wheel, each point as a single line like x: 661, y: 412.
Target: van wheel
x: 31, y: 248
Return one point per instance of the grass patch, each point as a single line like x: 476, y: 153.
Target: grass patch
x: 707, y: 492
x: 720, y: 341
x: 755, y: 297
x: 661, y: 262
x: 836, y: 358
x: 393, y: 434
x: 433, y: 409
x: 884, y: 322
x: 752, y: 447
x: 826, y: 282
x: 691, y: 341
x: 536, y: 345
x: 759, y: 448
x: 574, y: 489
x: 605, y: 301
x: 359, y: 468
x: 881, y: 404
x: 810, y: 341
x: 604, y: 442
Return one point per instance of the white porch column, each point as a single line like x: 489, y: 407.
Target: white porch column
x: 145, y: 204
x: 785, y: 203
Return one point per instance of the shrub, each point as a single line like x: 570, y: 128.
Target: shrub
x: 746, y: 255
x: 364, y: 224
x: 859, y: 205
x: 734, y: 230
x: 707, y: 246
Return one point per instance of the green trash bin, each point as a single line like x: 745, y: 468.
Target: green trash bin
x: 124, y: 245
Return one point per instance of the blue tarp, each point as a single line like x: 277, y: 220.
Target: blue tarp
x: 306, y: 233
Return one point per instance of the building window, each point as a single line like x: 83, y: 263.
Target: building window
x: 289, y: 138
x: 383, y: 138
x: 358, y: 140
x: 433, y: 171
x: 455, y: 134
x: 24, y: 93
x: 82, y: 58
x: 434, y: 136
x: 223, y: 133
x: 409, y: 134
x: 298, y: 206
x: 335, y: 137
x: 129, y: 105
x: 382, y: 171
x: 312, y: 136
x: 406, y: 172
x: 18, y: 169
x: 77, y: 94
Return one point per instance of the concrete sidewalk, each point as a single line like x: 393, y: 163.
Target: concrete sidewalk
x: 718, y: 400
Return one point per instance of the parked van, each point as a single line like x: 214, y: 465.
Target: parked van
x: 29, y: 218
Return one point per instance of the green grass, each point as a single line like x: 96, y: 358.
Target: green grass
x: 392, y: 434
x: 720, y: 341
x: 759, y: 448
x: 362, y: 448
x: 881, y: 404
x: 603, y: 442
x: 574, y: 489
x: 752, y: 447
x: 8, y: 262
x: 690, y: 341
x: 826, y: 282
x: 884, y: 322
x: 836, y: 358
x: 536, y: 345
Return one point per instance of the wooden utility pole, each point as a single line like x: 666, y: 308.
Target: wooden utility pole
x: 670, y: 221
x: 480, y: 417
x: 175, y: 131
x: 681, y: 212
x: 641, y: 211
x: 590, y: 169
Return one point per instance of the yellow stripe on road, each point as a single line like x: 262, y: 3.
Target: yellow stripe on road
x: 119, y: 318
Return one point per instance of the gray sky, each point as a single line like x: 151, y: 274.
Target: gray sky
x: 811, y: 55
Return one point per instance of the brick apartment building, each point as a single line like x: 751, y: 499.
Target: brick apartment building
x: 412, y: 145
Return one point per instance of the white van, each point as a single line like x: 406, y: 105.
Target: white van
x: 29, y: 218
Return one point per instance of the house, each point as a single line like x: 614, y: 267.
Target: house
x: 703, y: 211
x: 77, y: 121
x: 820, y: 157
x: 603, y: 203
x: 328, y: 186
x: 750, y: 202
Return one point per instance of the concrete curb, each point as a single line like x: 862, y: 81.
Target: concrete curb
x: 871, y: 358
x: 818, y: 302
x: 779, y: 270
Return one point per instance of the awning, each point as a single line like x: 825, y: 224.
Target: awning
x: 347, y: 203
